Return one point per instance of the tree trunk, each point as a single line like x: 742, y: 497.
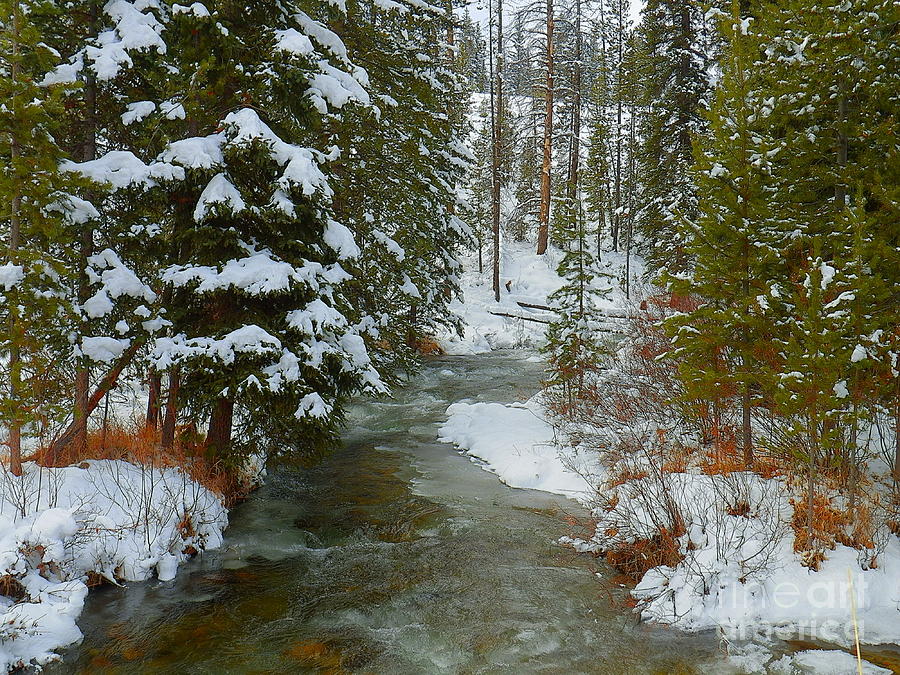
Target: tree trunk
x: 746, y: 428
x: 89, y: 153
x: 155, y: 382
x: 617, y: 216
x: 575, y: 145
x: 167, y: 438
x: 218, y: 437
x: 747, y: 433
x: 497, y: 131
x: 897, y: 435
x: 108, y: 382
x: 15, y: 329
x: 811, y: 486
x: 544, y: 221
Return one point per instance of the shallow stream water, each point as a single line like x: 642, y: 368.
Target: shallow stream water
x: 395, y: 555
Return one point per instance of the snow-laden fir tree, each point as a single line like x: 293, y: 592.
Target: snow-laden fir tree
x: 402, y: 162
x: 673, y: 70
x: 262, y: 336
x: 113, y: 52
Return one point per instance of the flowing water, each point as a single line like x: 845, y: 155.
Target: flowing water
x: 395, y: 555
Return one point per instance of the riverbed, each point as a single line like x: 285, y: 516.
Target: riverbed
x: 394, y: 555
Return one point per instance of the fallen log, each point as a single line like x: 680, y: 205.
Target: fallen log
x: 602, y: 312
x: 524, y: 318
x: 613, y: 331
x: 528, y: 305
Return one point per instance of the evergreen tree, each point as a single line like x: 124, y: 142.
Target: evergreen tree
x: 721, y: 345
x: 827, y: 68
x: 35, y: 210
x: 673, y: 68
x: 257, y: 289
x: 113, y: 52
x: 409, y: 230
x: 575, y: 344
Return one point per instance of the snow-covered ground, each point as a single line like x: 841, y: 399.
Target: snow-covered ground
x: 61, y: 529
x: 740, y: 575
x: 524, y: 277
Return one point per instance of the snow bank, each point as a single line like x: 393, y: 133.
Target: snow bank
x: 111, y: 519
x: 822, y: 662
x: 738, y: 573
x: 516, y: 442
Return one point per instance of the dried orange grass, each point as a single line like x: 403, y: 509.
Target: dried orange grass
x: 140, y: 444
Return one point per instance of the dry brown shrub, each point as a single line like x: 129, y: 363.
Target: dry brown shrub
x: 428, y: 347
x: 831, y: 526
x: 635, y: 559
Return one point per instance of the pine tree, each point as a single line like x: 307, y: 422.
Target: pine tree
x: 113, y: 52
x: 575, y: 344
x: 827, y: 70
x: 731, y: 243
x: 410, y: 228
x: 261, y: 335
x: 36, y: 212
x: 673, y: 69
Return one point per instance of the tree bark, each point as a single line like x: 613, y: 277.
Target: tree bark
x: 153, y: 400
x: 108, y: 382
x: 575, y: 145
x: 544, y: 220
x: 617, y: 215
x: 811, y: 486
x: 897, y: 435
x: 218, y: 437
x: 167, y: 438
x: 497, y: 131
x: 89, y: 152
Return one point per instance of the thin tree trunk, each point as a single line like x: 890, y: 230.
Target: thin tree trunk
x: 218, y: 437
x: 497, y: 129
x: 602, y: 207
x: 631, y: 190
x: 747, y: 433
x: 153, y: 400
x: 617, y: 216
x: 746, y: 428
x: 575, y: 145
x: 811, y: 485
x: 544, y: 220
x: 15, y: 330
x: 897, y: 434
x: 89, y: 152
x: 167, y: 438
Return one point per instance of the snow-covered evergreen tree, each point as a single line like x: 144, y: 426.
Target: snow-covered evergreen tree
x: 402, y: 163
x: 575, y: 342
x: 262, y: 335
x: 674, y: 74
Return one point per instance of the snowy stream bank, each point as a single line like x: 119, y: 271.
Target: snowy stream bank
x: 64, y: 529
